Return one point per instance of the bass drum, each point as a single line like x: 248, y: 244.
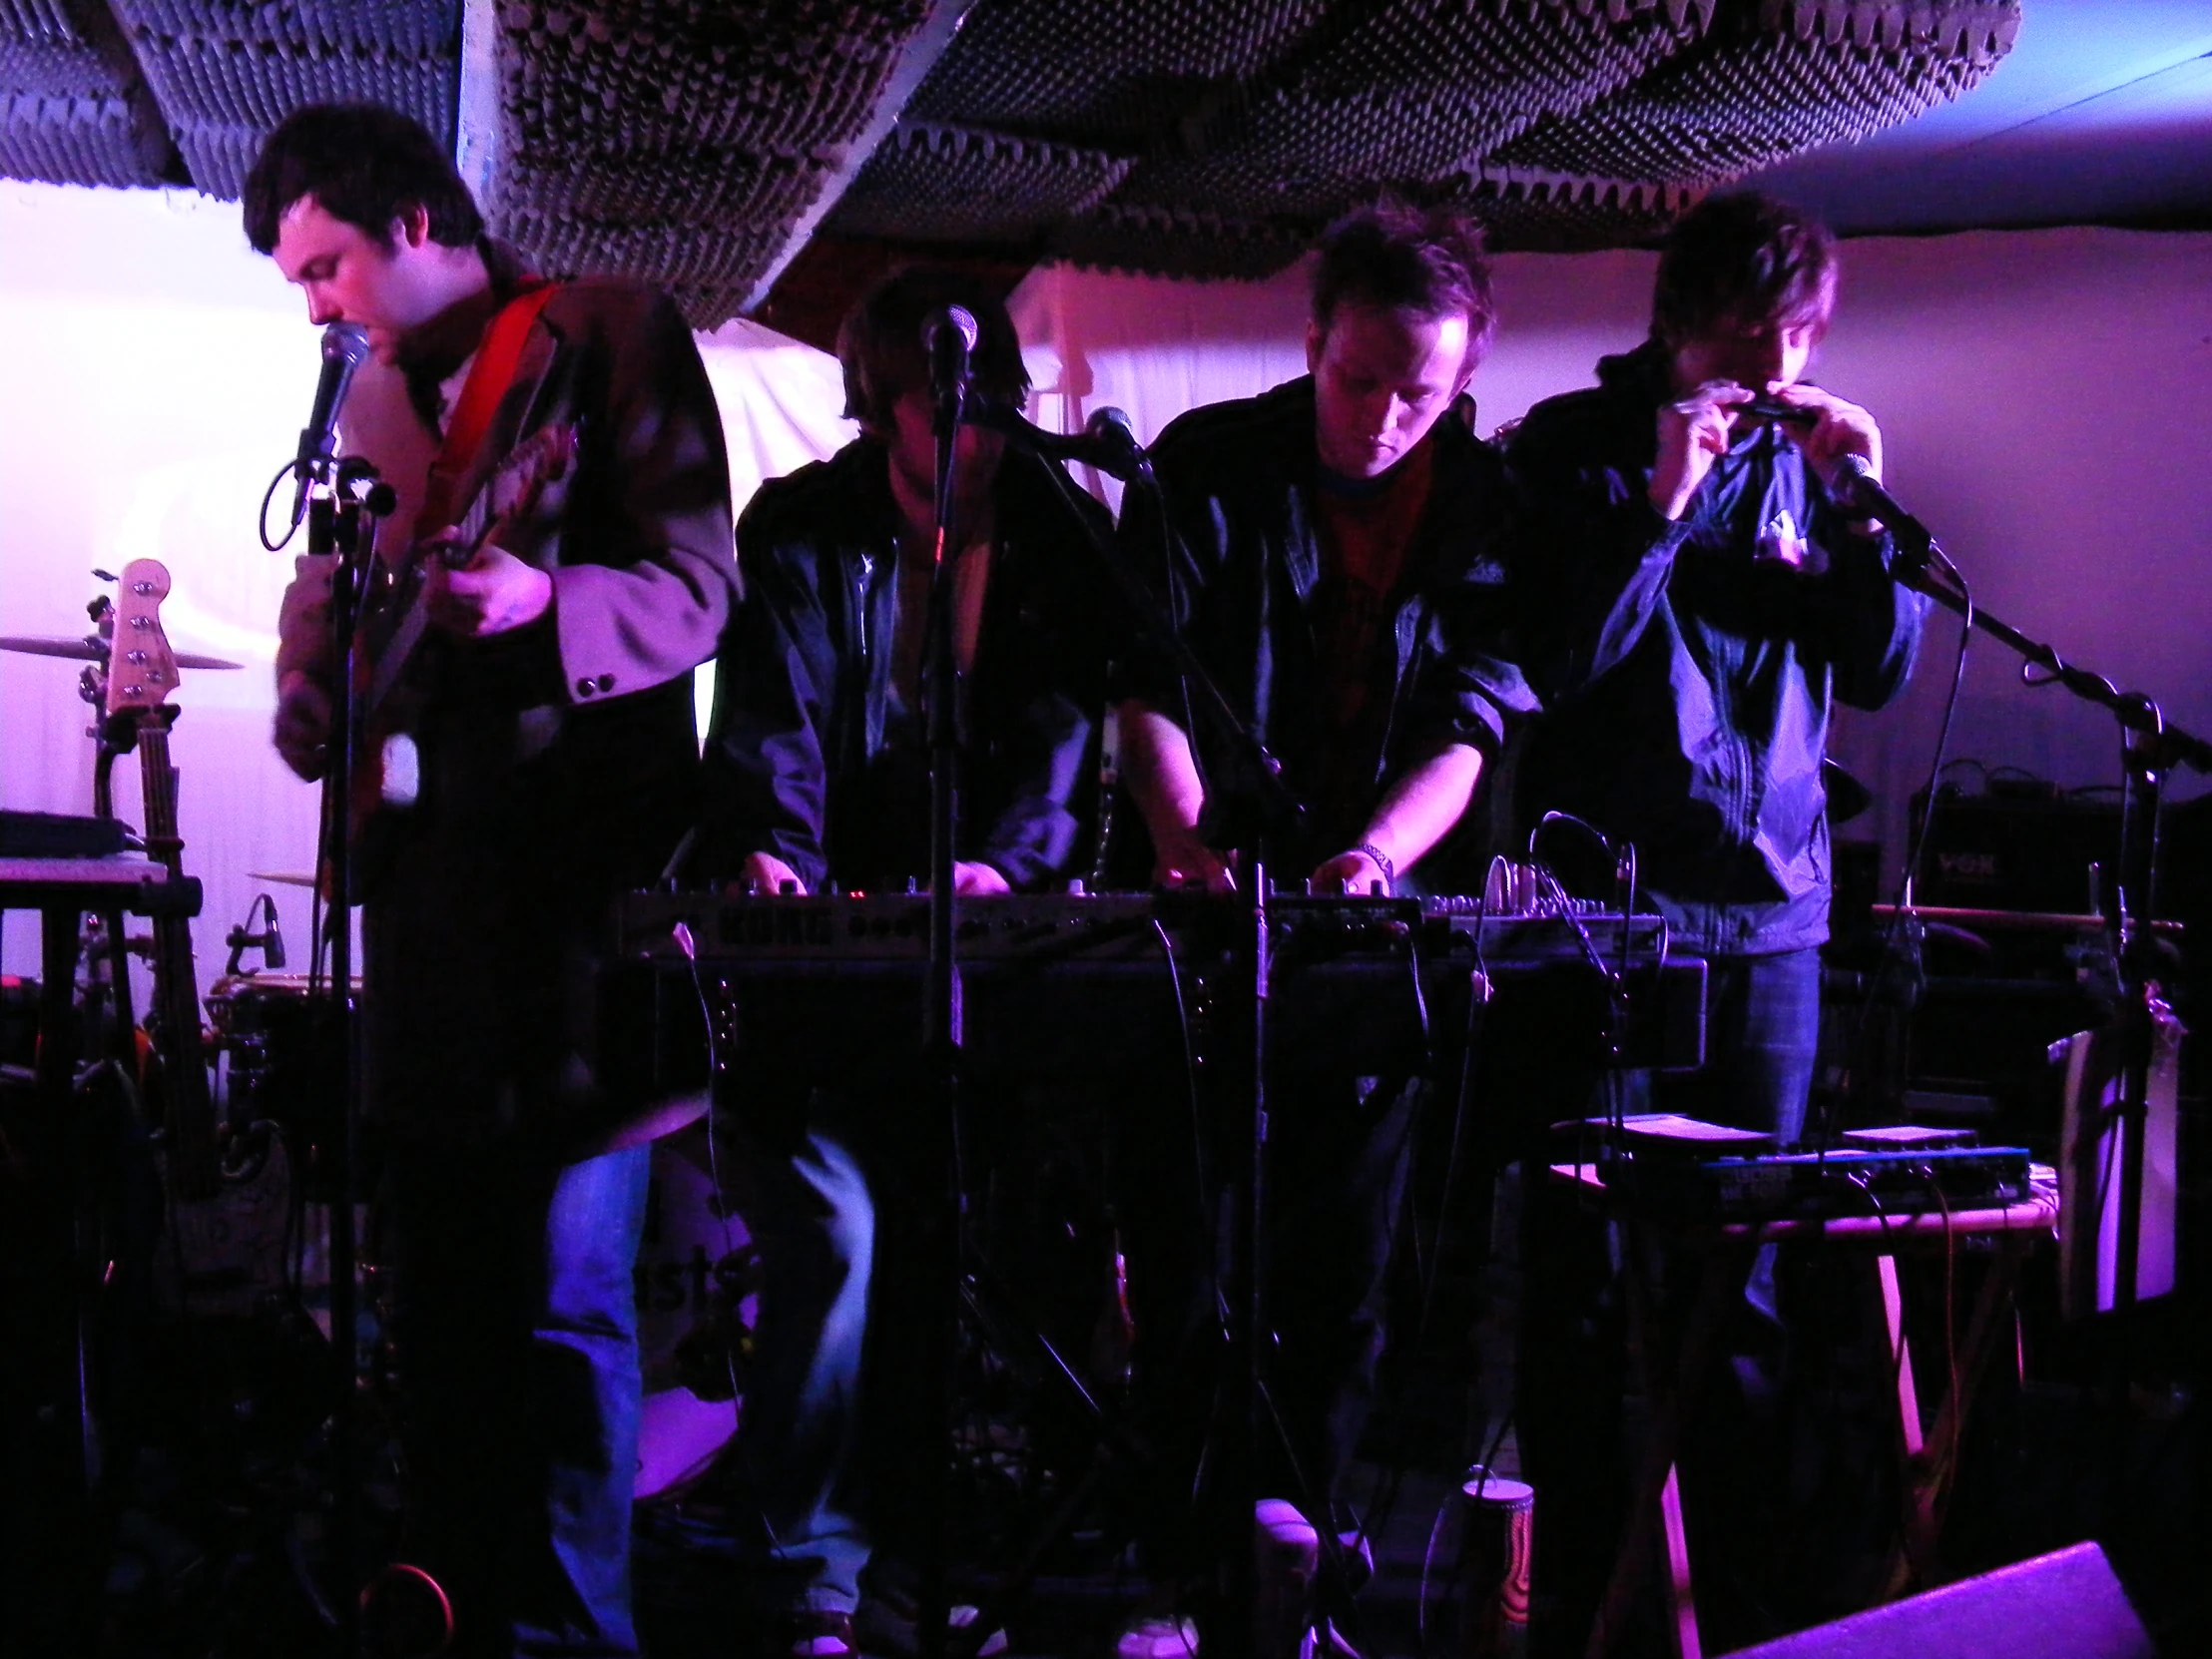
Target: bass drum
x: 697, y: 1286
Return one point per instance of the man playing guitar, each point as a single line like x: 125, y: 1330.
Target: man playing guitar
x: 553, y: 762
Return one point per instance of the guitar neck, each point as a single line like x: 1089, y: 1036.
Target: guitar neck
x: 192, y: 1154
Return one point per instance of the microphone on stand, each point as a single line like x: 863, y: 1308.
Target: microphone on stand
x: 1107, y: 440
x: 272, y: 942
x: 344, y: 348
x: 948, y: 335
x: 1857, y: 489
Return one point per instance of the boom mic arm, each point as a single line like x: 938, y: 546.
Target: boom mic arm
x: 1107, y: 440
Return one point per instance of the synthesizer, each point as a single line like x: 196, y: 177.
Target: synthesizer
x: 1117, y: 985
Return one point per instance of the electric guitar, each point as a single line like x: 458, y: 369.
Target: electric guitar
x: 142, y: 672
x: 390, y: 694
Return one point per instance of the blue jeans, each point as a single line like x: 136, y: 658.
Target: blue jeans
x: 1762, y: 1028
x: 810, y: 1211
x: 1761, y: 1035
x: 515, y: 1318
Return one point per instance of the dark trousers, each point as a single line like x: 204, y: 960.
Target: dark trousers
x: 514, y: 1316
x: 1334, y: 1172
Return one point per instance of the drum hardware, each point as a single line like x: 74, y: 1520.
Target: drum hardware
x: 270, y: 942
x: 94, y: 649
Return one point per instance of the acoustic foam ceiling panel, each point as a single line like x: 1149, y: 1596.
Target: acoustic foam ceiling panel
x: 227, y: 71
x: 1120, y: 74
x: 74, y: 109
x: 1407, y: 92
x: 1559, y: 212
x: 1177, y: 242
x: 1772, y: 77
x: 1248, y: 127
x: 954, y: 183
x: 688, y: 140
x: 682, y: 138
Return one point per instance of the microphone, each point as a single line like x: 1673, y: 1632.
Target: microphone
x: 947, y: 337
x: 344, y: 347
x: 273, y: 943
x: 1857, y: 489
x: 1107, y: 440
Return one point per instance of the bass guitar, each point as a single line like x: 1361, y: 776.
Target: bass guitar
x: 142, y: 672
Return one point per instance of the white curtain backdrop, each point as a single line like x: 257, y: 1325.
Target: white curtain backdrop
x: 2047, y: 397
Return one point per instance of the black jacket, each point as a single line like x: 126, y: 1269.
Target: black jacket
x: 812, y: 757
x: 1688, y: 683
x: 1239, y: 480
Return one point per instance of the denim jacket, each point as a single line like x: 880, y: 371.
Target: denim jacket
x: 810, y: 755
x: 1687, y: 668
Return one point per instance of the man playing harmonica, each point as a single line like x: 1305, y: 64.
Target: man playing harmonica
x: 1698, y: 599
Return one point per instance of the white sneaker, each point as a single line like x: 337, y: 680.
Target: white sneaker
x: 886, y: 1624
x: 1156, y: 1632
x: 1286, y: 1553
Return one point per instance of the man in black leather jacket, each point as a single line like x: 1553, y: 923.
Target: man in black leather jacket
x: 1335, y: 562
x: 818, y: 761
x: 817, y: 773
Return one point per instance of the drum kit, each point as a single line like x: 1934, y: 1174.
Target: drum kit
x: 266, y: 1078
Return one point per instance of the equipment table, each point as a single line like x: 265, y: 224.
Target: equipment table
x: 1727, y: 1252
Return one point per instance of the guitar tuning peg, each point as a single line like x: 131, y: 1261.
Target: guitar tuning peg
x: 104, y: 575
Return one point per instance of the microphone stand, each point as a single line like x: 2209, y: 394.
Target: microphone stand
x: 1256, y: 777
x: 342, y: 517
x: 1267, y: 819
x: 2150, y: 748
x: 940, y: 1028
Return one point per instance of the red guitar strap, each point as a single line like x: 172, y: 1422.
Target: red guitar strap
x: 489, y: 378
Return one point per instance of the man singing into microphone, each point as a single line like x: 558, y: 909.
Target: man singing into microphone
x: 818, y: 772
x: 1697, y: 601
x: 556, y: 766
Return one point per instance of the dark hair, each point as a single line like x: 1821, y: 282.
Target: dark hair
x: 879, y: 345
x: 1744, y: 258
x: 364, y: 164
x: 1399, y: 258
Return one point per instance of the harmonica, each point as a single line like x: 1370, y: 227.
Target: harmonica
x: 1767, y: 408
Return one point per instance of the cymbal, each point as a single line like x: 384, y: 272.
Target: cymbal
x: 94, y: 650
x: 283, y: 878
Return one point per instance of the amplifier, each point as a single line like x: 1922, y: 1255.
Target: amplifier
x: 2015, y: 850
x: 1806, y: 1186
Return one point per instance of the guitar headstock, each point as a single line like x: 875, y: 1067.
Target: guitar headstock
x: 142, y: 670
